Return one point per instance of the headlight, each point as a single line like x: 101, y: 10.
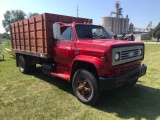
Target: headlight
x: 140, y: 52
x: 117, y: 56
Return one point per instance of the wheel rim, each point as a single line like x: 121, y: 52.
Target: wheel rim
x: 84, y: 88
x: 21, y: 69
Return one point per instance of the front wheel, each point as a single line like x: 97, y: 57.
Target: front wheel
x: 85, y: 87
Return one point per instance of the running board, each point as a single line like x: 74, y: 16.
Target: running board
x: 60, y: 75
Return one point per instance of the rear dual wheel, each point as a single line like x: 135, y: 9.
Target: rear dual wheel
x: 23, y: 67
x: 85, y: 86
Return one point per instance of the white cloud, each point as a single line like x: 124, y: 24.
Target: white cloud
x: 2, y: 30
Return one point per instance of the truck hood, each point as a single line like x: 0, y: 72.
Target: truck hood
x: 101, y: 46
x: 109, y: 42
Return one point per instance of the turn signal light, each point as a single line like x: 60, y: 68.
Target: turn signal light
x: 103, y: 59
x: 89, y: 23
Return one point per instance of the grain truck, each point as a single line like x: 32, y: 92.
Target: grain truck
x: 77, y: 51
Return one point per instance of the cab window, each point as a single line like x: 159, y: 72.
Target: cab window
x: 66, y: 33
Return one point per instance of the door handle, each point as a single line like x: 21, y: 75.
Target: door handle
x: 68, y: 48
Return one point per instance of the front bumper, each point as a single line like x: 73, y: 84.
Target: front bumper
x: 111, y: 83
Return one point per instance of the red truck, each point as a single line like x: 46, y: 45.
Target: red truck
x: 75, y: 50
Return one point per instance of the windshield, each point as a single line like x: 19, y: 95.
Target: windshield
x: 91, y: 32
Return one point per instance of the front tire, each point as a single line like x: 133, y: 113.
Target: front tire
x: 85, y: 87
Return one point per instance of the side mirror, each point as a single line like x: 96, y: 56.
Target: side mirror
x: 56, y: 31
x: 115, y: 37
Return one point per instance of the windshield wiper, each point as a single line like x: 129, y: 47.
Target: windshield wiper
x: 88, y: 36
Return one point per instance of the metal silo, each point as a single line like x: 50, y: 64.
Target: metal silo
x: 117, y: 24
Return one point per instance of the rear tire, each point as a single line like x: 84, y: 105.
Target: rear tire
x: 85, y: 87
x: 32, y: 68
x: 22, y: 63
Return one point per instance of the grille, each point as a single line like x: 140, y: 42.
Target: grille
x: 127, y: 54
x: 126, y: 68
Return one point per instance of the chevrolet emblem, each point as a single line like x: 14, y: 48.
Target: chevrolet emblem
x: 131, y: 54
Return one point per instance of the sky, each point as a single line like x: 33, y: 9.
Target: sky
x: 140, y: 12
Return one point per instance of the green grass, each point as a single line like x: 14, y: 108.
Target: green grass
x: 149, y: 40
x: 7, y: 43
x: 39, y: 96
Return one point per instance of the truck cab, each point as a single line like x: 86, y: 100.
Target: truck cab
x: 77, y: 41
x: 87, y: 56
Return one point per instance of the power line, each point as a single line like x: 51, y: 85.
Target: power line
x: 77, y: 11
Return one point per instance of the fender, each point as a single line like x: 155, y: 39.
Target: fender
x: 99, y: 65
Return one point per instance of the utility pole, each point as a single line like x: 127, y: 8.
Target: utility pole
x: 77, y: 11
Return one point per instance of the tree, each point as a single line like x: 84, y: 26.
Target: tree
x: 155, y: 32
x: 12, y: 16
x: 158, y: 35
x: 32, y: 14
x: 4, y: 35
x: 1, y: 35
x: 151, y: 32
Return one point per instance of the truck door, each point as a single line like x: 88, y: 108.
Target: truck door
x: 64, y: 50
